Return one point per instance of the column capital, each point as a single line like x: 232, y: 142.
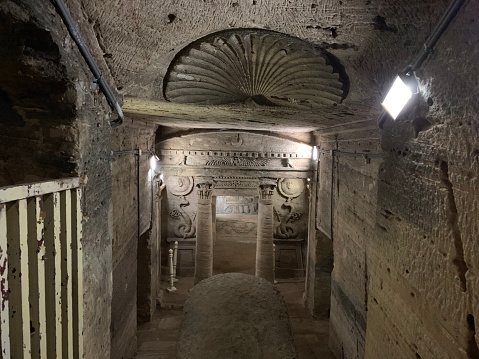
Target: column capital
x: 266, y: 188
x: 204, y: 185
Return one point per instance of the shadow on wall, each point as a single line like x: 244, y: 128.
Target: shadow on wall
x: 37, y: 102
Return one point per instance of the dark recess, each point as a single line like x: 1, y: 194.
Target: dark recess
x: 379, y: 23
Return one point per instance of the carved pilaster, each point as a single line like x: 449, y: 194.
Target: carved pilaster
x: 204, y: 232
x: 264, y: 246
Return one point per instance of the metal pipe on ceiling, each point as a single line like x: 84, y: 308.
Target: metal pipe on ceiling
x: 99, y: 79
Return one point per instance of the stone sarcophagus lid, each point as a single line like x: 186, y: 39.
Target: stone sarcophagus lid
x: 235, y: 316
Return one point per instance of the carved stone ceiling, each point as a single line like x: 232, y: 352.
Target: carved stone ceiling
x: 257, y: 66
x: 152, y: 49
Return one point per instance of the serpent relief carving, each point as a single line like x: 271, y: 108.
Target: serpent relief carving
x: 284, y: 229
x: 289, y: 188
x: 187, y: 227
x: 181, y: 186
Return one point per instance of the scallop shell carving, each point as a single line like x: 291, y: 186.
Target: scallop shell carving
x: 264, y: 67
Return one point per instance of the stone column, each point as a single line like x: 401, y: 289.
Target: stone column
x: 264, y: 245
x: 204, y: 232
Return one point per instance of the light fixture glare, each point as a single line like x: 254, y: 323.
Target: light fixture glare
x: 315, y: 153
x: 397, y: 97
x: 153, y: 163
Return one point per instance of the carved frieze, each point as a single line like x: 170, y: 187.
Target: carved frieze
x: 235, y: 182
x: 236, y: 205
x: 231, y: 227
x: 234, y: 141
x: 238, y: 162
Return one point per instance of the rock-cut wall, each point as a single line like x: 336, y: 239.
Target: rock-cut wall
x: 55, y: 124
x: 405, y: 227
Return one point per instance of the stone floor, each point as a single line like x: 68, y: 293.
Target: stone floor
x: 157, y: 339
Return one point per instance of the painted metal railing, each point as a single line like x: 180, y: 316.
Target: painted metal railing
x: 41, y: 270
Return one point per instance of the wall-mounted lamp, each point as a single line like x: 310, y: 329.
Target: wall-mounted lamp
x: 405, y: 85
x: 403, y: 88
x: 315, y: 153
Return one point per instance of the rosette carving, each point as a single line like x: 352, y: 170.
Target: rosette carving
x: 180, y: 185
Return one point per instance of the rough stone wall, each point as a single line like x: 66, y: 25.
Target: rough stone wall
x: 318, y: 282
x: 353, y: 211
x: 56, y: 125
x: 423, y: 260
x: 405, y: 230
x: 37, y: 101
x: 128, y: 239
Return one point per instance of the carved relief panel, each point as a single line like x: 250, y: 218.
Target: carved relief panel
x: 290, y: 207
x: 237, y: 205
x: 182, y: 208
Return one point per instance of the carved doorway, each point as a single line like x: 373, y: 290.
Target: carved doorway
x: 236, y: 234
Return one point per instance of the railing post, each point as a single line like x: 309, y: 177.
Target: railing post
x: 77, y: 267
x: 4, y: 314
x: 18, y: 279
x: 171, y: 288
x: 40, y: 237
x: 66, y: 256
x: 175, y: 260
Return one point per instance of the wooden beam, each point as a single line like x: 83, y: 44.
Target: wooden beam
x: 240, y: 116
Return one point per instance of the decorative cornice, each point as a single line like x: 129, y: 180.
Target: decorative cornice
x: 235, y: 183
x: 224, y: 153
x: 254, y: 66
x: 238, y: 162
